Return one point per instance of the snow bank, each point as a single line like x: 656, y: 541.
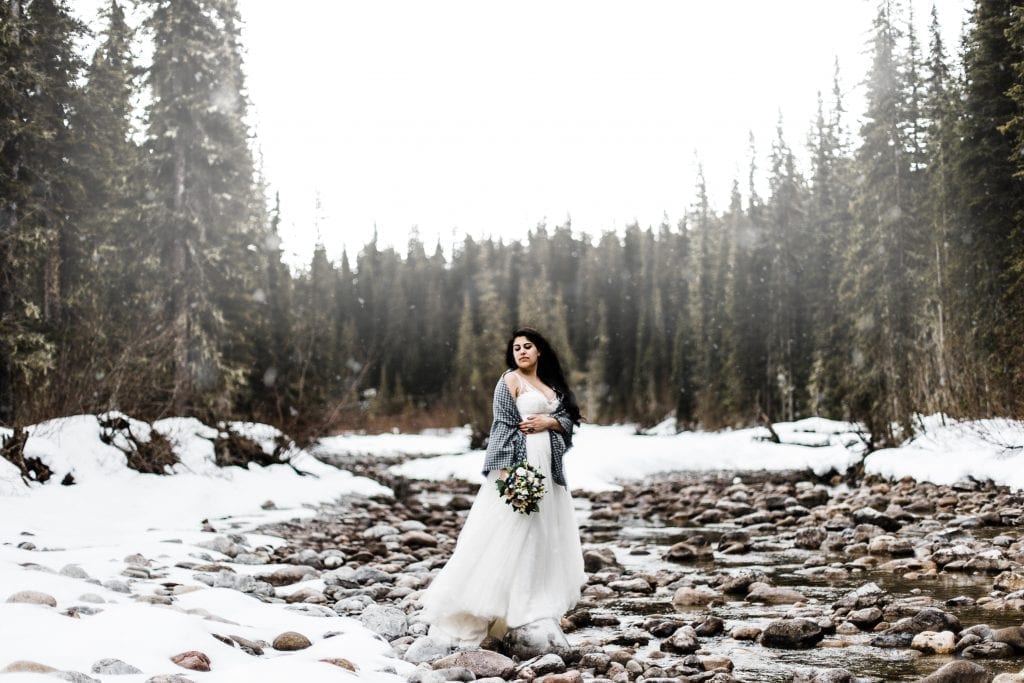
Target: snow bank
x: 112, y: 512
x: 603, y: 455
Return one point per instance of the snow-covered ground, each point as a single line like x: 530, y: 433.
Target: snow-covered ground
x: 67, y: 541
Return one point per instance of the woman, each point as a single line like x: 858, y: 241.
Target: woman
x: 510, y: 568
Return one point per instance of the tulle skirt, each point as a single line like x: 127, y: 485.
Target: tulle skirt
x: 509, y: 569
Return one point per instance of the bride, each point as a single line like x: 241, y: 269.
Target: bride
x: 509, y: 568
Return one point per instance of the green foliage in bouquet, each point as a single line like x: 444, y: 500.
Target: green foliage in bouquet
x: 522, y: 488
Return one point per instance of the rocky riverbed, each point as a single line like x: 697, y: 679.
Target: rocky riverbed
x: 744, y: 577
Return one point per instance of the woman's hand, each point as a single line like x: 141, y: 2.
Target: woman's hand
x: 538, y: 423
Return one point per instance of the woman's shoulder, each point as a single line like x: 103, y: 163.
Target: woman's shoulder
x: 508, y: 380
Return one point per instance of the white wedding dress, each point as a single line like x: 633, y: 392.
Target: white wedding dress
x: 509, y: 569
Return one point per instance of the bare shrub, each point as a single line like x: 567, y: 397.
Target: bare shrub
x: 12, y: 449
x: 155, y: 456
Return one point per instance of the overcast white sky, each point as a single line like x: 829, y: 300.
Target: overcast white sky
x: 467, y: 116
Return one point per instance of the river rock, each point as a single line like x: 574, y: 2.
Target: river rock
x: 683, y: 641
x: 114, y: 667
x: 290, y: 641
x: 537, y: 638
x: 634, y: 585
x: 694, y: 596
x: 930, y: 642
x: 26, y: 666
x: 33, y: 598
x: 1009, y: 678
x: 1011, y: 635
x: 483, y: 663
x: 887, y: 544
x: 598, y: 559
x: 193, y: 659
x: 958, y: 671
x: 987, y: 650
x: 740, y: 582
x: 384, y: 620
x: 868, y: 595
x: 813, y: 675
x: 542, y: 665
x: 865, y: 619
x: 571, y: 676
x: 684, y: 552
x: 792, y: 634
x: 1010, y: 582
x: 773, y: 595
x: 810, y: 538
x: 75, y: 677
x: 286, y: 576
x: 745, y: 633
x: 428, y: 648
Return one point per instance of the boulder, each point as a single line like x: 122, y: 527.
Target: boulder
x: 930, y: 642
x: 958, y: 671
x: 792, y: 634
x: 192, y: 659
x: 386, y: 621
x: 483, y: 663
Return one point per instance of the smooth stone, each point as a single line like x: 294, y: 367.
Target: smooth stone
x: 571, y: 676
x: 74, y: 677
x: 428, y: 648
x: 74, y: 571
x: 814, y: 675
x: 683, y: 641
x: 958, y: 671
x: 930, y: 642
x: 192, y: 659
x: 773, y: 595
x: 483, y: 663
x: 290, y: 641
x: 169, y: 678
x: 340, y: 662
x: 542, y: 665
x: 791, y: 634
x: 386, y: 621
x: 91, y: 598
x: 286, y: 576
x: 26, y: 666
x: 698, y: 596
x: 114, y: 667
x: 745, y: 633
x: 33, y: 598
x: 1011, y: 635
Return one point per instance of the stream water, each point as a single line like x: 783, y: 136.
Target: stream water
x: 639, y: 544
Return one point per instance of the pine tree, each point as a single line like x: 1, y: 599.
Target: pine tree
x: 886, y: 258
x: 206, y: 215
x: 41, y: 195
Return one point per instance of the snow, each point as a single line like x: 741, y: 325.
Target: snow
x: 947, y: 451
x: 112, y: 512
x: 601, y: 455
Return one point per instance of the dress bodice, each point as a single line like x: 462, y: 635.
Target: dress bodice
x: 531, y: 401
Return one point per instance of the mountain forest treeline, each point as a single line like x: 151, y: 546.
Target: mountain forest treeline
x: 141, y: 268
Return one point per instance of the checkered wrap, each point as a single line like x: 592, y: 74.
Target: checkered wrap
x: 507, y: 445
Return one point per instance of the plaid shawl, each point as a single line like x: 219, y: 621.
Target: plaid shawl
x: 507, y: 445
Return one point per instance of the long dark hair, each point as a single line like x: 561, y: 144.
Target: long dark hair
x: 549, y: 370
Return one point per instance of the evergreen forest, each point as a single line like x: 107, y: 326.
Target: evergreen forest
x: 141, y: 267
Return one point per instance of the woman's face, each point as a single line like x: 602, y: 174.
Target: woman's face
x: 525, y: 352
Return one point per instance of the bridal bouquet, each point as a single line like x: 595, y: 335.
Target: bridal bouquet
x: 522, y: 488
